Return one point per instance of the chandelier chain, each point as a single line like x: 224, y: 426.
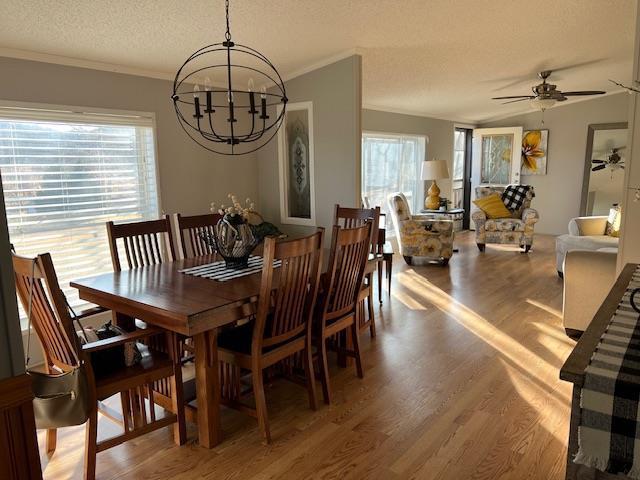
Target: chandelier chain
x: 227, y: 34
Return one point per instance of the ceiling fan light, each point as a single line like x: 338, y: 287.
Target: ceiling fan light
x: 542, y: 104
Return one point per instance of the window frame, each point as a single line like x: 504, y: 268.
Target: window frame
x: 45, y: 112
x: 396, y: 135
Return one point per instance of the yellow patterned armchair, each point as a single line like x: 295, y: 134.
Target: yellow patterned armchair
x: 420, y: 236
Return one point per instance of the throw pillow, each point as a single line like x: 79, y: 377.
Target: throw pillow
x: 613, y: 222
x: 493, y: 206
x: 514, y: 196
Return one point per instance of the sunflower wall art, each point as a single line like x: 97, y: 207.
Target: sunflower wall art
x: 534, y: 152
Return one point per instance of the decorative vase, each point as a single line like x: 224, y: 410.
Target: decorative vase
x: 234, y: 239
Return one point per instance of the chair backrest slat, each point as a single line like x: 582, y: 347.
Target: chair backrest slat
x: 347, y: 217
x: 144, y: 243
x: 345, y: 273
x: 36, y: 279
x: 286, y: 311
x: 193, y: 228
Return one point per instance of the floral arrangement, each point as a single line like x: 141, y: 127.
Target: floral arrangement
x: 247, y: 212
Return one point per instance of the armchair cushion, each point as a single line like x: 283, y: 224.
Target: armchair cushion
x: 493, y: 206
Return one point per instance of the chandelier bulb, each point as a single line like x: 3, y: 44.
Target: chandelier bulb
x: 207, y: 84
x: 196, y: 91
x: 263, y: 92
x: 230, y: 96
x: 251, y: 85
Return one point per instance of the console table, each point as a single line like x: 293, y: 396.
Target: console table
x: 574, y: 367
x: 455, y: 214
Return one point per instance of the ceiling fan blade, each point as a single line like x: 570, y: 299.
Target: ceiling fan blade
x: 598, y: 167
x: 519, y: 100
x: 513, y: 96
x: 595, y: 160
x: 583, y: 92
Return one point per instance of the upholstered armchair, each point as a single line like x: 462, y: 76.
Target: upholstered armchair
x: 516, y: 230
x: 418, y: 235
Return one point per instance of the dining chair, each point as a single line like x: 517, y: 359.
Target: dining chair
x: 191, y: 229
x: 337, y: 312
x: 282, y: 325
x: 37, y: 285
x: 144, y: 243
x: 356, y: 217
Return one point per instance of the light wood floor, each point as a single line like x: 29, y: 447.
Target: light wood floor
x: 461, y: 383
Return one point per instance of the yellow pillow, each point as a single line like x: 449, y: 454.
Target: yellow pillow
x: 493, y: 206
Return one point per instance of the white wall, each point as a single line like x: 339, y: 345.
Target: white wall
x: 558, y: 193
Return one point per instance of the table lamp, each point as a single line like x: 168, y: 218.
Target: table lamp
x: 434, y: 170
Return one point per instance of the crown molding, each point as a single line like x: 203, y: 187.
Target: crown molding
x: 456, y: 120
x: 321, y: 63
x: 82, y: 63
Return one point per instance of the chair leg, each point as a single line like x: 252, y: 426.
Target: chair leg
x: 52, y: 440
x: 380, y: 282
x: 310, y: 376
x: 261, y: 404
x: 527, y: 248
x: 177, y: 394
x: 324, y: 369
x: 356, y: 349
x: 481, y: 246
x: 372, y: 317
x: 389, y: 268
x: 90, y: 447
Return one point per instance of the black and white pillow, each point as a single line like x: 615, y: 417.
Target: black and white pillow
x: 514, y: 196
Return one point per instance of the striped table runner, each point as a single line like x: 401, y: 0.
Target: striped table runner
x: 219, y: 271
x: 609, y: 429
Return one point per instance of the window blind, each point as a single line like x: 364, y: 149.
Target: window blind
x: 65, y: 174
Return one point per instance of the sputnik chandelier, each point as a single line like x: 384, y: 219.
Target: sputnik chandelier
x: 224, y: 117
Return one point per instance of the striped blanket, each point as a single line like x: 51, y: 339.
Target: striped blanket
x: 609, y: 429
x: 219, y: 271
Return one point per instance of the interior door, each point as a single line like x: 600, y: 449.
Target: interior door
x: 496, y: 156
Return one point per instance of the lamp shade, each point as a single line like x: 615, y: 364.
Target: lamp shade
x: 434, y: 170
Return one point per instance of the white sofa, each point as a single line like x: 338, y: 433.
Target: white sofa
x: 588, y: 278
x: 585, y: 233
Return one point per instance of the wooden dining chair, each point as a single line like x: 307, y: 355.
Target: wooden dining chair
x: 144, y: 243
x: 282, y: 326
x: 36, y: 279
x: 338, y: 311
x: 191, y: 229
x: 356, y: 217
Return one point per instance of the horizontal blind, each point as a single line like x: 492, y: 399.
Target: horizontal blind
x: 64, y: 177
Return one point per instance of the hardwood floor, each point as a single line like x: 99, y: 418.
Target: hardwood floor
x: 460, y: 383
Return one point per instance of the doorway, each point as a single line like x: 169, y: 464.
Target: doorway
x: 461, y: 178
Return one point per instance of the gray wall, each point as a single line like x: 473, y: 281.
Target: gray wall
x: 336, y: 95
x: 440, y: 133
x: 558, y: 192
x: 190, y: 177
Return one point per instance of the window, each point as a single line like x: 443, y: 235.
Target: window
x: 459, y: 151
x: 64, y: 175
x: 392, y: 163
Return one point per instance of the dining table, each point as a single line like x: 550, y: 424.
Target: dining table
x: 161, y: 295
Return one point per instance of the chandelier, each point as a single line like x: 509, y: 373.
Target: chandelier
x: 223, y: 116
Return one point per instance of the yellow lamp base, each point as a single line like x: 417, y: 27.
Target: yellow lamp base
x: 432, y: 202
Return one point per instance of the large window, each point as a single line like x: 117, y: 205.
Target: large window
x: 64, y: 175
x: 392, y: 163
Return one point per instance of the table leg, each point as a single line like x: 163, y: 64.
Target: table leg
x: 123, y: 321
x: 208, y: 388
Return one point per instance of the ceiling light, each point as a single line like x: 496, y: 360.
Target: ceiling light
x: 225, y: 117
x: 542, y: 104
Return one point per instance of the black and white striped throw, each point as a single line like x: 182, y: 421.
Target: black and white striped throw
x: 219, y: 271
x: 609, y: 429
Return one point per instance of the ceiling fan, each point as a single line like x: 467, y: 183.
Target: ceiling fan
x: 545, y: 95
x: 614, y: 161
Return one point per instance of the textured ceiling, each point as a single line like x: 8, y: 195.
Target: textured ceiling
x: 442, y: 58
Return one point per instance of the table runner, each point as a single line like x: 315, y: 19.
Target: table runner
x: 219, y: 271
x: 609, y: 428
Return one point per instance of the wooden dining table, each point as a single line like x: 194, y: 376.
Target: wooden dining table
x: 162, y: 296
